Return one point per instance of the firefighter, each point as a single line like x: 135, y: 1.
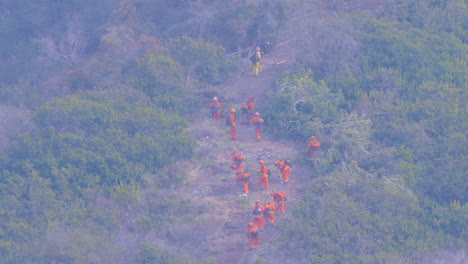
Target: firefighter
x: 284, y: 169
x: 253, y: 234
x: 258, y: 214
x: 258, y: 123
x: 245, y: 178
x: 255, y: 59
x: 269, y: 213
x: 238, y: 162
x: 247, y: 111
x: 265, y: 47
x: 232, y: 124
x: 279, y: 198
x: 313, y: 147
x: 264, y: 175
x: 215, y: 109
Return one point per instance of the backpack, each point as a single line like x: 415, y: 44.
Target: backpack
x: 244, y: 109
x: 214, y: 109
x: 254, y: 58
x: 254, y: 234
x: 259, y: 123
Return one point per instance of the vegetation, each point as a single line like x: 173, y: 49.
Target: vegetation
x: 97, y: 97
x: 390, y: 163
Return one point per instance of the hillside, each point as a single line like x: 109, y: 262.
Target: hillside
x: 108, y: 153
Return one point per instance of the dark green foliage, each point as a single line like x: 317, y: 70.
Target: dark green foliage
x: 297, y: 103
x: 245, y: 23
x: 150, y: 255
x: 392, y: 181
x: 101, y: 141
x: 161, y: 78
x: 432, y: 127
x: 98, y: 141
x: 205, y: 61
x: 361, y: 219
x: 417, y: 55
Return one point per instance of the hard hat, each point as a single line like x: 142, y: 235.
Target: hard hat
x: 257, y: 48
x: 251, y: 99
x: 250, y: 224
x: 233, y: 110
x: 313, y: 137
x: 215, y: 98
x: 257, y: 201
x: 257, y: 113
x: 261, y: 161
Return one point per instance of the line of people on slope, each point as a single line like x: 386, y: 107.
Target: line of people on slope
x: 262, y: 214
x: 243, y: 175
x: 247, y: 111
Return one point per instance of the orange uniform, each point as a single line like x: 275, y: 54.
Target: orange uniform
x: 279, y: 198
x: 247, y: 110
x: 245, y: 178
x: 253, y: 234
x: 238, y: 162
x: 258, y: 123
x: 250, y: 108
x: 313, y: 147
x: 269, y: 213
x: 215, y: 109
x: 265, y: 175
x: 284, y: 171
x: 232, y: 124
x: 258, y: 214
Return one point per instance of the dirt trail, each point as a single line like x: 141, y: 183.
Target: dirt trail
x: 221, y: 229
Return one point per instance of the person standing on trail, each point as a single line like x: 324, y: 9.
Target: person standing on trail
x: 269, y: 214
x: 284, y: 170
x: 264, y: 175
x: 215, y: 109
x: 253, y: 234
x: 265, y: 47
x: 237, y: 161
x: 255, y: 59
x: 247, y: 110
x: 245, y: 178
x: 234, y: 154
x: 313, y: 147
x: 258, y: 214
x: 279, y: 198
x: 232, y: 124
x: 258, y: 123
